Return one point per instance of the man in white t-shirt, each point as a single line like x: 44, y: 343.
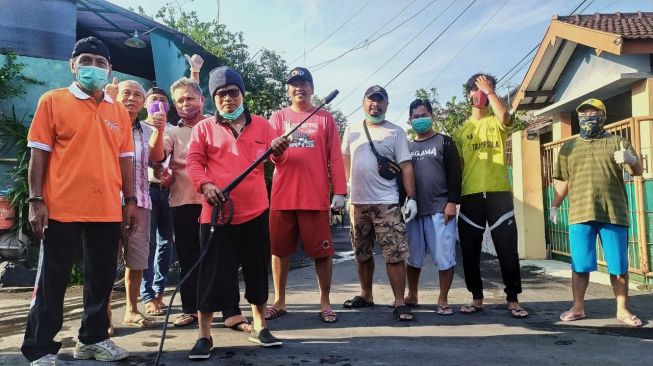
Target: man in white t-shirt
x: 375, y: 210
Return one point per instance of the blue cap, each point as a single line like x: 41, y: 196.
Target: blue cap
x: 223, y: 76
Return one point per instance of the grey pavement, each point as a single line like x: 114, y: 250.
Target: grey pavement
x: 370, y: 336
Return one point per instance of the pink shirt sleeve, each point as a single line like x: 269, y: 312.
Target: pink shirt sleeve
x: 196, y: 159
x: 337, y: 166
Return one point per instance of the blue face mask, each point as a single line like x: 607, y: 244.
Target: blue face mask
x: 92, y: 78
x: 421, y: 124
x: 591, y: 126
x: 233, y: 115
x: 378, y: 119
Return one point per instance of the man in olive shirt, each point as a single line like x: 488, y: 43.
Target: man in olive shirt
x: 589, y: 171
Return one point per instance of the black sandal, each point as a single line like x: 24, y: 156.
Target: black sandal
x: 400, y: 313
x: 357, y: 302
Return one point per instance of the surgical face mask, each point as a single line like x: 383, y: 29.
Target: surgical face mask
x: 233, y: 115
x: 190, y: 114
x: 479, y: 99
x: 92, y: 78
x: 153, y: 107
x: 378, y: 119
x: 421, y: 124
x: 591, y: 126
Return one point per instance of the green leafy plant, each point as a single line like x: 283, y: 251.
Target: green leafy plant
x: 13, y: 134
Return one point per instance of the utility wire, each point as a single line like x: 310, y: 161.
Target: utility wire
x: 431, y: 44
x: 587, y: 6
x: 332, y: 33
x: 368, y: 41
x: 395, y: 54
x: 534, y: 48
x: 467, y: 44
x: 425, y: 48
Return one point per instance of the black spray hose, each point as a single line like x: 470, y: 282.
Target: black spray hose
x: 214, y: 218
x: 218, y: 217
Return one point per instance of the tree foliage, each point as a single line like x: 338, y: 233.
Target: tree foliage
x: 264, y: 72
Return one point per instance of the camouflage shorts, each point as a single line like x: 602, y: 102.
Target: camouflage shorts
x: 378, y: 223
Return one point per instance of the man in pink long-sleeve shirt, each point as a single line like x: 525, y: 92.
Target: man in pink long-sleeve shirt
x: 221, y: 148
x: 300, y: 192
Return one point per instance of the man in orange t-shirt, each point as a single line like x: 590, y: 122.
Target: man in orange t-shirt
x: 81, y: 158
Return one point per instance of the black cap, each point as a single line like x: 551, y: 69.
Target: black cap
x: 222, y: 76
x: 91, y: 45
x: 156, y: 90
x: 376, y: 90
x: 299, y: 73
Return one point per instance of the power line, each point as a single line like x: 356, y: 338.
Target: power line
x: 587, y: 6
x: 332, y: 33
x: 537, y: 45
x: 395, y: 54
x: 425, y: 48
x: 432, y: 42
x: 518, y: 63
x: 468, y: 43
x: 368, y: 41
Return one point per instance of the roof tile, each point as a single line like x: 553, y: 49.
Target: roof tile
x: 629, y: 25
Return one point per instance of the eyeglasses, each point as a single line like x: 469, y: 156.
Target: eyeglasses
x: 234, y: 93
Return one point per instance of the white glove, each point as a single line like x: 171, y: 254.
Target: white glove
x: 410, y: 210
x: 337, y: 202
x: 195, y: 62
x: 553, y: 215
x: 624, y: 156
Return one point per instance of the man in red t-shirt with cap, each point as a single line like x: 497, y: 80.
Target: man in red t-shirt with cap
x: 299, y: 206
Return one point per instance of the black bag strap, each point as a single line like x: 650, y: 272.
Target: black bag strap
x: 367, y: 133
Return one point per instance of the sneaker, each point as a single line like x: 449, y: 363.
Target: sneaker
x: 101, y: 351
x: 201, y: 350
x: 264, y: 338
x: 47, y: 360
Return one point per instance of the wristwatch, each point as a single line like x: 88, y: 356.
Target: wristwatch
x: 131, y: 199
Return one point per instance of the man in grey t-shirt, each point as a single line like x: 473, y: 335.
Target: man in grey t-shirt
x: 375, y: 211
x: 438, y: 179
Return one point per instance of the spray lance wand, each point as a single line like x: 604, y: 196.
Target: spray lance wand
x: 223, y: 213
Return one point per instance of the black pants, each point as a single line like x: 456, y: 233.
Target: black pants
x: 495, y: 208
x: 187, y: 242
x: 246, y: 245
x: 59, y: 249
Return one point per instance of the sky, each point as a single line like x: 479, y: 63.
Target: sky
x: 491, y: 36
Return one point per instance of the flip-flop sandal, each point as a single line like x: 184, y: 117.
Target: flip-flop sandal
x: 243, y: 326
x: 272, y: 313
x: 328, y: 316
x: 570, y: 316
x: 445, y: 310
x: 633, y: 321
x: 141, y: 322
x: 403, y: 314
x: 519, y: 313
x: 357, y: 302
x: 185, y: 320
x: 470, y: 309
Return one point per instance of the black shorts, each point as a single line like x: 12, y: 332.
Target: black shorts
x: 246, y: 245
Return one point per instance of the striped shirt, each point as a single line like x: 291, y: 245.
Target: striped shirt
x: 596, y: 184
x: 142, y: 133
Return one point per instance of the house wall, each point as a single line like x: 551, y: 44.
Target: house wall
x: 587, y: 72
